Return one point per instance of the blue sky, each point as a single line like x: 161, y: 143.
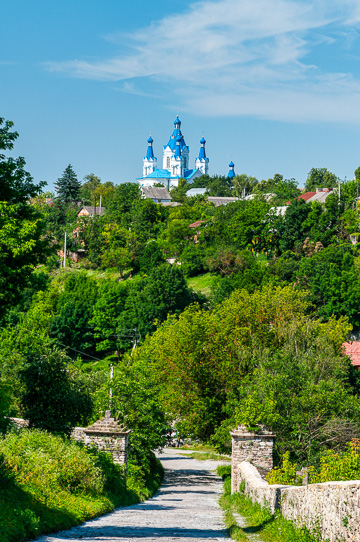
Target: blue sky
x: 273, y: 85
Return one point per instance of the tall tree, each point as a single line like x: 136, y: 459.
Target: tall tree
x: 22, y: 244
x: 320, y: 178
x: 68, y: 186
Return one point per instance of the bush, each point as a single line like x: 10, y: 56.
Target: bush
x: 339, y: 466
x: 286, y: 474
x: 48, y: 483
x: 52, y: 399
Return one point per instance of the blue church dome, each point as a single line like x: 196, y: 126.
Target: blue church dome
x: 150, y: 140
x: 231, y: 173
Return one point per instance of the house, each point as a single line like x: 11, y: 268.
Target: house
x: 157, y: 194
x: 91, y: 210
x: 352, y: 349
x: 217, y: 201
x: 193, y: 192
x: 319, y: 195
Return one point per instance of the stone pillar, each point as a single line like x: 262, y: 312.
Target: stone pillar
x: 257, y: 448
x: 107, y: 435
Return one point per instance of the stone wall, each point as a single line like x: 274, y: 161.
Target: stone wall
x: 107, y: 435
x: 249, y: 446
x: 332, y: 507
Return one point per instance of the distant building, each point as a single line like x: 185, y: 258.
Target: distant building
x: 91, y: 210
x: 193, y: 192
x: 217, y: 201
x: 319, y: 195
x: 231, y: 173
x: 156, y: 194
x: 352, y: 349
x: 176, y: 163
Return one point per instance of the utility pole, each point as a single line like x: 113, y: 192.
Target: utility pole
x: 100, y: 205
x: 65, y: 251
x: 135, y: 342
x: 111, y: 378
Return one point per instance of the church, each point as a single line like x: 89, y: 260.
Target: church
x: 176, y: 163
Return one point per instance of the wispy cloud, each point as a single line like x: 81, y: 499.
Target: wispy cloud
x: 242, y: 57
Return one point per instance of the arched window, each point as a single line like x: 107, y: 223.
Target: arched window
x: 168, y: 162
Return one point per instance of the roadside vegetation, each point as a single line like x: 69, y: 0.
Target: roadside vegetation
x: 246, y: 325
x: 258, y: 521
x: 49, y: 483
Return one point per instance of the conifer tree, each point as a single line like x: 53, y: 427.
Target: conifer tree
x: 68, y: 186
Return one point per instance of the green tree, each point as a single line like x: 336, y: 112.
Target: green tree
x: 118, y: 257
x: 201, y: 358
x: 135, y: 399
x: 320, y: 178
x: 53, y: 398
x: 68, y: 186
x: 88, y: 188
x: 151, y: 257
x: 107, y: 309
x: 22, y: 242
x: 292, y: 233
x: 121, y: 203
x: 70, y: 324
x: 179, y: 193
x: 244, y: 185
x: 149, y: 303
x: 332, y: 278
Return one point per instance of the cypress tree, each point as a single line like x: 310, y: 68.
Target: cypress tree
x: 68, y: 186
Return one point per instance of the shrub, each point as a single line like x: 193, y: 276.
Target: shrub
x: 286, y: 474
x: 339, y: 466
x: 48, y: 483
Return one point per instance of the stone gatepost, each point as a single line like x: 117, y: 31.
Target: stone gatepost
x: 257, y: 448
x: 107, y: 435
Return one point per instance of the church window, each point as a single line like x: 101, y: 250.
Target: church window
x: 168, y: 162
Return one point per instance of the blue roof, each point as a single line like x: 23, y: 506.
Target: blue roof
x: 176, y: 133
x: 189, y: 173
x: 166, y: 174
x: 231, y: 174
x: 231, y: 164
x: 158, y: 174
x: 150, y: 140
x: 178, y: 147
x: 202, y: 153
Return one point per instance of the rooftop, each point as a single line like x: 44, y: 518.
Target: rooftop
x: 221, y: 201
x: 197, y: 223
x: 156, y: 192
x: 352, y: 349
x: 90, y: 210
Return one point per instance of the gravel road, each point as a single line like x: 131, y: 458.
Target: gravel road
x: 185, y: 509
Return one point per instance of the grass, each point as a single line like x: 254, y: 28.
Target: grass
x: 202, y: 283
x: 198, y: 446
x: 259, y: 520
x: 48, y: 483
x: 203, y: 456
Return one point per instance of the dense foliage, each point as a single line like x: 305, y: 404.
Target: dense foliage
x: 49, y: 483
x: 257, y: 340
x: 22, y: 245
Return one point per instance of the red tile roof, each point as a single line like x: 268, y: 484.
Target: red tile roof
x: 197, y: 224
x: 352, y: 349
x: 306, y: 196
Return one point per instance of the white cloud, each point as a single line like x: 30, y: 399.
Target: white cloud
x: 242, y: 57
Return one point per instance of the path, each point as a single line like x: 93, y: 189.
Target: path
x: 185, y: 509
